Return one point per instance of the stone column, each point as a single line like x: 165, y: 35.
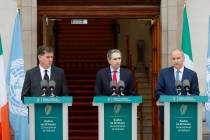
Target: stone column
x: 171, y: 17
x: 29, y: 29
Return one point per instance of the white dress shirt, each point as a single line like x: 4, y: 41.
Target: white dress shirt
x: 118, y: 73
x: 180, y: 73
x: 42, y: 71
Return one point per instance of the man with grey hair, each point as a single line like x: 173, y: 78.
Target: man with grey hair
x: 114, y: 73
x: 166, y: 84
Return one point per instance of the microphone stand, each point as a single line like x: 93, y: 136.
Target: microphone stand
x: 114, y: 91
x: 121, y: 90
x: 44, y: 91
x: 187, y: 90
x: 52, y: 92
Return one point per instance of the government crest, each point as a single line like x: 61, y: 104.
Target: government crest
x: 48, y: 109
x: 117, y: 108
x: 183, y: 109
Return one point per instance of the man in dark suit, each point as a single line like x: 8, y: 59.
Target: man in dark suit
x: 105, y: 75
x: 168, y: 76
x: 44, y: 70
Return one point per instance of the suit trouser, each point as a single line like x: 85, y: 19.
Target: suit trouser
x: 162, y: 130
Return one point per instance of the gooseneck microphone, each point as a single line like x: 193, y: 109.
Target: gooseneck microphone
x: 52, y: 85
x: 121, y: 86
x: 113, y: 86
x: 178, y: 87
x: 186, y: 85
x: 44, y: 87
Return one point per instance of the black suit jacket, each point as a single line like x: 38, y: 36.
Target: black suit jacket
x: 32, y: 87
x: 166, y: 84
x: 103, y: 78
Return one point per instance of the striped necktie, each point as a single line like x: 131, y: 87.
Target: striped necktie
x: 46, y: 77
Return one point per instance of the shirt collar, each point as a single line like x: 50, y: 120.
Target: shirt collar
x: 181, y: 70
x: 112, y: 70
x: 42, y: 69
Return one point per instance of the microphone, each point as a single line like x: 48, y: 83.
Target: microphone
x: 113, y: 85
x: 44, y: 87
x: 52, y: 87
x: 121, y: 86
x: 178, y: 87
x: 186, y: 85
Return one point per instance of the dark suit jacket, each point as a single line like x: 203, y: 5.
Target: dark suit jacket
x: 166, y: 83
x: 103, y: 78
x: 32, y: 87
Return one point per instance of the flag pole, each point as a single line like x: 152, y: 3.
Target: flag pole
x: 18, y: 4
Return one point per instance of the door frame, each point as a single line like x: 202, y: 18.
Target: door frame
x: 122, y: 12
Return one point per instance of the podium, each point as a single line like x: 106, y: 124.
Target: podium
x: 117, y: 117
x: 183, y: 117
x: 48, y: 117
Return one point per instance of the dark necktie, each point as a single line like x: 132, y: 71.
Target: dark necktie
x: 46, y: 77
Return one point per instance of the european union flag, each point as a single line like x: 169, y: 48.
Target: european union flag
x: 18, y: 112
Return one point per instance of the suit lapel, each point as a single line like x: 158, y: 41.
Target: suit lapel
x: 122, y: 75
x: 108, y: 74
x: 173, y: 78
x: 172, y: 74
x: 184, y: 74
x: 38, y: 74
x: 53, y: 75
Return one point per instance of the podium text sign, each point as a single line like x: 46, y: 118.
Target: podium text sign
x: 48, y: 117
x: 183, y: 117
x: 117, y: 117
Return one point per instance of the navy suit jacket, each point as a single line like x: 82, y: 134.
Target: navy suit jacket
x: 103, y: 78
x: 166, y: 83
x: 32, y: 87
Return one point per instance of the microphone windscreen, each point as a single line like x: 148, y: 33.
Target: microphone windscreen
x: 52, y: 84
x: 186, y: 83
x: 113, y: 83
x: 178, y: 83
x: 121, y: 84
x: 44, y: 84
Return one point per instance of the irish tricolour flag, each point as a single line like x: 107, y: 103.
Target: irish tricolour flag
x: 186, y: 42
x: 4, y: 119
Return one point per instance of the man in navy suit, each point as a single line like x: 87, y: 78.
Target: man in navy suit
x: 34, y: 76
x: 168, y: 76
x: 105, y: 75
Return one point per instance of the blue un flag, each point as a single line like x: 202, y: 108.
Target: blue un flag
x: 18, y: 112
x: 207, y: 104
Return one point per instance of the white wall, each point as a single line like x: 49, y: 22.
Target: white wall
x: 8, y: 9
x: 198, y: 16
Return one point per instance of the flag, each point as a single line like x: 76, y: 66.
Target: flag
x: 18, y: 113
x: 186, y: 42
x: 207, y: 90
x: 4, y: 120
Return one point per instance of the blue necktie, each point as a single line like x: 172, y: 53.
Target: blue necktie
x: 177, y: 75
